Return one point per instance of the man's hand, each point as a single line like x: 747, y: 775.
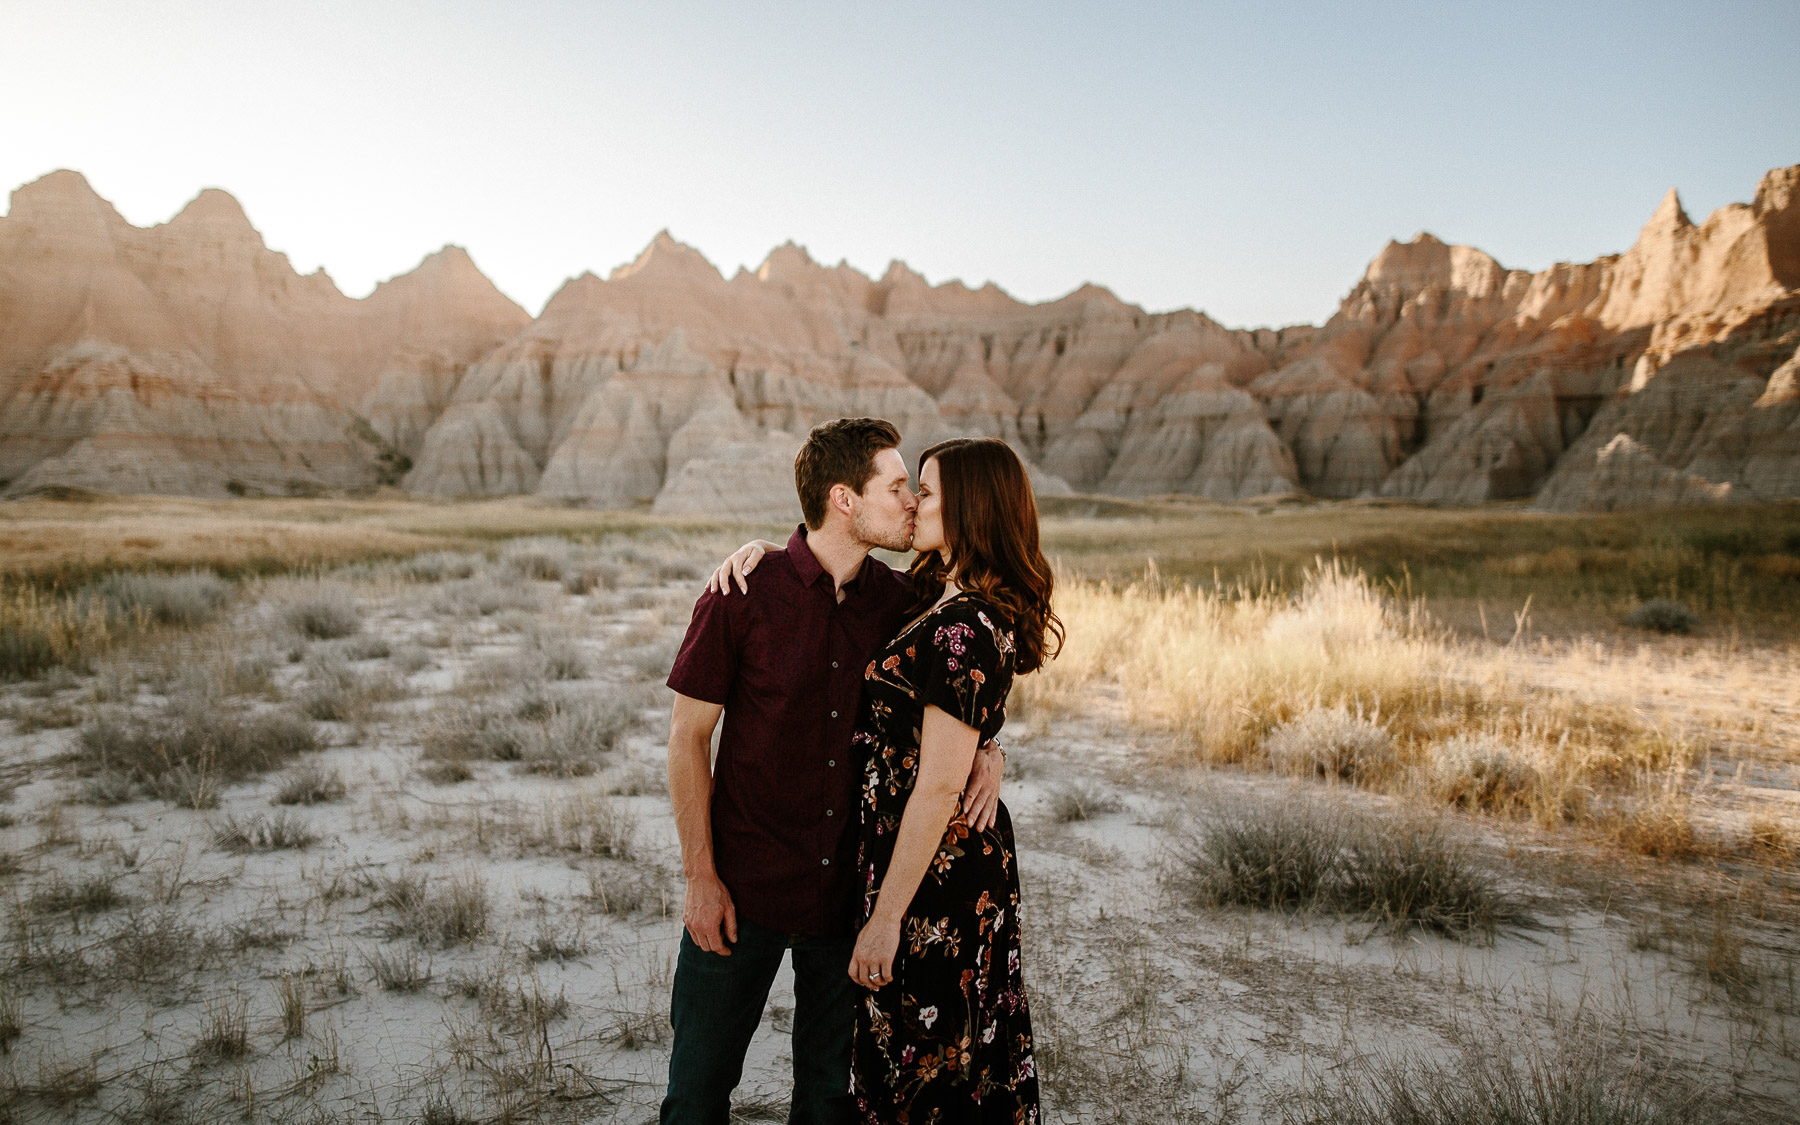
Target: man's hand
x: 981, y: 800
x: 737, y: 568
x: 709, y: 916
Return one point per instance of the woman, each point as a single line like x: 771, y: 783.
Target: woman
x: 944, y: 1035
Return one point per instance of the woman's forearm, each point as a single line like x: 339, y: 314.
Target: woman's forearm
x: 946, y: 751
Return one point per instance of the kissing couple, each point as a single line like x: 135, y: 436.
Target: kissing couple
x: 852, y: 814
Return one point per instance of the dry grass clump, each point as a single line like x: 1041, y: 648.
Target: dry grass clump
x: 540, y: 558
x: 30, y: 716
x: 1767, y: 835
x: 1663, y: 615
x: 91, y: 895
x: 155, y: 948
x: 439, y: 1108
x: 493, y: 592
x: 63, y: 1085
x: 105, y: 789
x: 556, y: 655
x: 1307, y: 854
x: 1579, y: 1082
x: 653, y: 661
x: 1658, y: 825
x: 1339, y: 681
x: 1480, y: 771
x: 1080, y: 801
x: 506, y: 1001
x: 437, y: 566
x: 290, y: 995
x: 402, y: 969
x: 586, y: 822
x: 1222, y: 671
x: 187, y: 600
x: 336, y: 691
x: 185, y: 750
x: 411, y: 658
x: 40, y: 631
x: 560, y: 737
x: 473, y: 733
x: 447, y: 773
x: 551, y: 942
x: 1332, y: 742
x: 1273, y: 858
x: 12, y: 1019
x: 1420, y: 877
x: 213, y: 675
x: 310, y: 784
x: 324, y: 613
x: 620, y: 893
x: 587, y: 577
x: 225, y: 1030
x: 452, y: 915
x: 366, y: 648
x: 262, y: 833
x: 575, y: 736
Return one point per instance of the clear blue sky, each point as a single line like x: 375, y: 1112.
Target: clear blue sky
x: 1247, y: 159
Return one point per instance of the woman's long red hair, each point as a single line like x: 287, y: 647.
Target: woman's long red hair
x: 991, y: 530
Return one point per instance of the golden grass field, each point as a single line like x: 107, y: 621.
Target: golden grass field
x: 1318, y: 800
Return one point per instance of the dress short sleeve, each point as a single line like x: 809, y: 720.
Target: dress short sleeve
x: 968, y: 664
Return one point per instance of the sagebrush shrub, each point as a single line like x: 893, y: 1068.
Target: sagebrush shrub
x: 1481, y: 772
x: 187, y: 599
x: 1284, y: 856
x: 184, y: 749
x: 1307, y: 853
x: 1663, y: 615
x: 436, y: 566
x: 325, y: 614
x: 1334, y: 742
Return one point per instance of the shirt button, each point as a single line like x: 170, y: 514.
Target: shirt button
x: 830, y: 812
x: 834, y: 714
x: 832, y: 762
x: 824, y: 863
x: 834, y: 664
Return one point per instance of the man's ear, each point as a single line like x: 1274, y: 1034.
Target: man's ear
x: 843, y: 498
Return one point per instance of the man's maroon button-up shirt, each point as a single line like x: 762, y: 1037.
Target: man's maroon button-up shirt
x: 787, y: 663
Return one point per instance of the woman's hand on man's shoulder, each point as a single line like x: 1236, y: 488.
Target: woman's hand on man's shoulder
x: 736, y: 568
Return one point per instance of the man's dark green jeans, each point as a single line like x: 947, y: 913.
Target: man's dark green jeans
x: 718, y: 1002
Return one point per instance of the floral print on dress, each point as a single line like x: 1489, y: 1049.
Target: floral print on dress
x: 949, y: 1038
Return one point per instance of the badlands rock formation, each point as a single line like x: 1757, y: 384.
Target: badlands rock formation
x: 190, y: 358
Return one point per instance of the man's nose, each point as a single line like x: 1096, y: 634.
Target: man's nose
x: 912, y: 502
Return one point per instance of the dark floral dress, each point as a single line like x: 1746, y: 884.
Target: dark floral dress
x: 949, y: 1039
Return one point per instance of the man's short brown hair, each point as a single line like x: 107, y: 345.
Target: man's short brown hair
x: 841, y: 451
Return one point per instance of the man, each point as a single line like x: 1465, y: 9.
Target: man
x: 765, y: 840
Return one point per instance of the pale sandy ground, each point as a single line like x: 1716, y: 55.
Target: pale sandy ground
x: 1148, y: 1008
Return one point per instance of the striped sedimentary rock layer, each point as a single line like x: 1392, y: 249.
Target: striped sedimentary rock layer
x: 190, y: 358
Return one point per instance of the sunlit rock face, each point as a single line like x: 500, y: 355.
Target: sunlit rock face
x: 190, y: 358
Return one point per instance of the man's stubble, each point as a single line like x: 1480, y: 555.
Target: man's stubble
x: 892, y: 537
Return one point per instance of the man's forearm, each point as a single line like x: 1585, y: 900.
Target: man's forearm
x: 690, y: 792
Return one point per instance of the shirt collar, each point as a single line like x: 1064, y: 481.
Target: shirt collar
x: 807, y: 566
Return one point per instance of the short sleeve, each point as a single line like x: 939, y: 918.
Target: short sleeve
x: 967, y: 667
x: 707, y: 663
